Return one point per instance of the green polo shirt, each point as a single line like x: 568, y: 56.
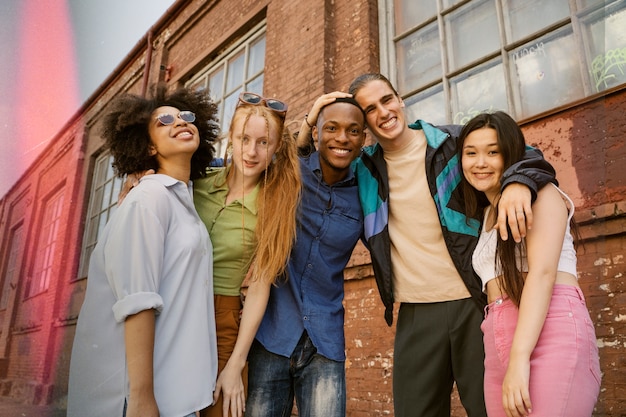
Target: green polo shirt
x: 231, y: 228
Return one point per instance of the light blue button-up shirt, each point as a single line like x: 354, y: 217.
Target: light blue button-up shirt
x: 154, y: 253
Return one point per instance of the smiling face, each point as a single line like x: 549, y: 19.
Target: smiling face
x: 169, y: 141
x: 384, y: 111
x: 340, y: 135
x: 482, y: 161
x: 254, y: 143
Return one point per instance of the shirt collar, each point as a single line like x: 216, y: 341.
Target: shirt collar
x: 313, y: 162
x: 166, y: 180
x: 220, y: 186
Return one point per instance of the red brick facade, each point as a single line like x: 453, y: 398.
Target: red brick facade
x: 311, y: 47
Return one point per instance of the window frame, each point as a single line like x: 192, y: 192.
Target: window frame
x: 97, y: 215
x: 579, y: 13
x: 201, y: 78
x: 14, y: 258
x: 45, y: 250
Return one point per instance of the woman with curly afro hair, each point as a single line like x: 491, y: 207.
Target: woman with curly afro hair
x: 145, y: 342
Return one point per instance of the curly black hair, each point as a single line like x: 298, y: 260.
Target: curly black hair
x: 125, y: 128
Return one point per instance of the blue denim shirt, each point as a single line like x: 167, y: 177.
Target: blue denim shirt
x: 330, y: 224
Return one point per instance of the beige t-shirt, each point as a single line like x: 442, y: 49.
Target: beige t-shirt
x: 422, y: 268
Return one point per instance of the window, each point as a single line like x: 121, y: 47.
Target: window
x: 12, y: 272
x: 238, y: 69
x: 105, y: 189
x: 48, y: 235
x: 451, y: 59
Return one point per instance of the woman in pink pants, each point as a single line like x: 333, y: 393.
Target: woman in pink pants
x: 540, y: 346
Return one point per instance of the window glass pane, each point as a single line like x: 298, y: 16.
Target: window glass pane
x: 102, y: 168
x: 582, y: 4
x: 419, y: 58
x: 449, y: 3
x: 257, y: 57
x: 256, y: 85
x: 523, y: 17
x: 411, y: 13
x: 199, y: 84
x: 12, y: 273
x: 96, y: 199
x: 229, y: 107
x: 102, y: 221
x: 47, y: 243
x: 117, y: 186
x: 109, y: 166
x: 106, y: 201
x: 235, y: 71
x: 606, y: 35
x: 472, y: 32
x: 428, y: 105
x: 220, y: 115
x: 546, y: 72
x: 91, y: 232
x: 478, y: 90
x: 102, y: 203
x: 216, y: 84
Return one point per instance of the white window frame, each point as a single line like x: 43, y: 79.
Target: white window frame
x: 105, y: 188
x: 579, y: 12
x: 201, y: 79
x: 51, y: 215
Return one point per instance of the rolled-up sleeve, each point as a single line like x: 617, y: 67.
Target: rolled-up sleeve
x: 135, y: 303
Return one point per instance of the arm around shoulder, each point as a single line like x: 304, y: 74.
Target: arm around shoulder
x: 532, y: 171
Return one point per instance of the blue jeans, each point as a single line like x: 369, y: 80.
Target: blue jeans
x: 318, y: 383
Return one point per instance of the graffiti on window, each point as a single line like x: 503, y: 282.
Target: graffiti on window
x: 537, y: 49
x: 608, y: 68
x: 460, y: 118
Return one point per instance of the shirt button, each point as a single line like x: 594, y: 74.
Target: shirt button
x: 309, y: 266
x: 499, y: 301
x: 306, y: 317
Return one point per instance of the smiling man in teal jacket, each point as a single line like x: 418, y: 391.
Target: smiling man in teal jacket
x: 421, y: 248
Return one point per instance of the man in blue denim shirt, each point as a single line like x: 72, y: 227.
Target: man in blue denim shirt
x: 299, y: 348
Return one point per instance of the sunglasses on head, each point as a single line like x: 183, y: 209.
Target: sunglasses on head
x: 168, y: 119
x: 272, y: 104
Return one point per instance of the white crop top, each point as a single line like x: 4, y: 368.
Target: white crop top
x: 484, y: 257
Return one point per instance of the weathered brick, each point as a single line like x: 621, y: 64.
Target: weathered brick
x: 312, y: 47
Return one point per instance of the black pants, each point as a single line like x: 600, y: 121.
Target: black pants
x: 437, y: 344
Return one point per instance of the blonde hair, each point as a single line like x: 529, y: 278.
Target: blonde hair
x: 278, y: 198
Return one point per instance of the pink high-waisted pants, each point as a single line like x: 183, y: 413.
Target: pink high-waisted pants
x: 564, y: 366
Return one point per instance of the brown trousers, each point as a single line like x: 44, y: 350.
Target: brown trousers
x: 227, y: 319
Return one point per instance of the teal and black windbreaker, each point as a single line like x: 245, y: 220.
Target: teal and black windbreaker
x: 443, y: 172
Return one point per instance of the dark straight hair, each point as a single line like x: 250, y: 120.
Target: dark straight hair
x: 512, y: 148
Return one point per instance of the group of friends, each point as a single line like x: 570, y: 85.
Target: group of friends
x: 466, y: 228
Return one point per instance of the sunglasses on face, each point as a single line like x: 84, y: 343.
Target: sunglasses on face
x: 272, y: 104
x: 168, y: 119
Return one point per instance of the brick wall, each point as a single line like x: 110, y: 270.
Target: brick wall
x: 30, y: 365
x: 312, y: 47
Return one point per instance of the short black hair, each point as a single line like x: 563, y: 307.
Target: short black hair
x: 349, y: 100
